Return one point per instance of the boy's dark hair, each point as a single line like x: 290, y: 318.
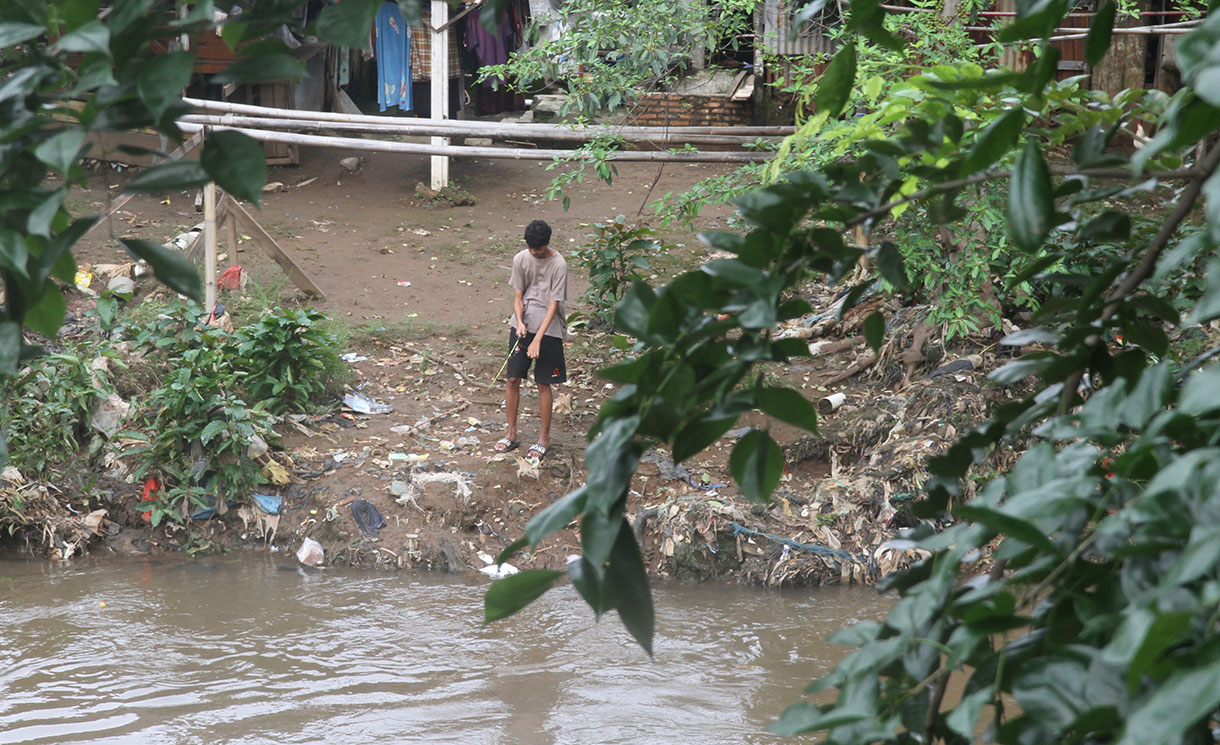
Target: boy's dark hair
x: 537, y: 234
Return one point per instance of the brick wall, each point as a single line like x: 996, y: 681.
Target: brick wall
x: 679, y: 110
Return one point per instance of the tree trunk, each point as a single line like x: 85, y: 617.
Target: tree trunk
x: 1123, y: 65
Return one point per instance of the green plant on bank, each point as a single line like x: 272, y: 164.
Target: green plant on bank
x: 202, y: 432
x: 45, y: 410
x: 616, y: 255
x: 288, y: 357
x: 1074, y: 598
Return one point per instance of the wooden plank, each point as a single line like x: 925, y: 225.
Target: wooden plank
x: 191, y: 143
x: 272, y: 248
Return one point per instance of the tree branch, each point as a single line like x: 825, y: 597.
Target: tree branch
x: 978, y: 178
x: 1202, y: 172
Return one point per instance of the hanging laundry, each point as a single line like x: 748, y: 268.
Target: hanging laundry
x: 421, y: 50
x: 493, y: 48
x: 393, y: 58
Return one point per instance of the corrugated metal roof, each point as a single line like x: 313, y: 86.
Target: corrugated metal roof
x: 778, y: 19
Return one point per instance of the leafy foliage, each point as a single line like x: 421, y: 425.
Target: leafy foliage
x: 45, y: 409
x: 1082, y: 584
x: 616, y: 255
x: 613, y: 51
x: 288, y: 358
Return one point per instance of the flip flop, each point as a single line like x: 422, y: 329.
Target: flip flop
x: 503, y: 445
x: 536, y: 452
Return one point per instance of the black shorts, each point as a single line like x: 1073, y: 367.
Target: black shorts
x: 551, y: 367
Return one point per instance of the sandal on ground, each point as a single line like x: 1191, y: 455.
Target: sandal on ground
x: 536, y: 452
x: 503, y: 445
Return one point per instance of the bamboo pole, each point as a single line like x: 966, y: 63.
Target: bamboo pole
x: 473, y: 125
x: 439, y: 89
x: 209, y: 241
x: 463, y: 151
x: 406, y: 127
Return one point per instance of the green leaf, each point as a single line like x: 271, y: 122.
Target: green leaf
x: 891, y: 265
x: 263, y: 68
x: 237, y: 163
x: 210, y: 432
x: 1030, y: 208
x: 91, y: 37
x: 46, y: 314
x: 611, y: 460
x: 42, y: 217
x: 1208, y: 306
x: 788, y: 405
x: 162, y: 80
x: 1180, y: 702
x: 757, y: 464
x: 806, y: 717
x: 509, y: 595
x: 995, y: 141
x: 59, y: 152
x: 511, y: 550
x: 58, y: 253
x: 700, y: 433
x: 10, y: 347
x: 874, y: 330
x: 12, y: 34
x: 1211, y: 206
x: 179, y: 174
x: 835, y: 86
x: 1146, y: 335
x: 555, y: 517
x: 965, y: 716
x: 1035, y: 19
x: 170, y: 267
x: 13, y: 252
x: 1006, y: 524
x: 1108, y: 226
x: 1097, y: 41
x: 626, y: 573
x: 347, y: 24
x: 1199, y: 394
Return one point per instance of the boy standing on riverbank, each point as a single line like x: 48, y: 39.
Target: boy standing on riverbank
x: 537, y: 329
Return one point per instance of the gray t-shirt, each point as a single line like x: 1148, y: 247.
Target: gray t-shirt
x: 541, y: 281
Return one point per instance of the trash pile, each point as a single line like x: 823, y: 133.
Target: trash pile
x: 843, y: 497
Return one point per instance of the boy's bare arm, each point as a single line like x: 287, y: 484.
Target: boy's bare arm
x: 519, y: 310
x: 552, y: 309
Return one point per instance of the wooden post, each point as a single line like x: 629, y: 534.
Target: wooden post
x: 440, y: 87
x: 228, y: 222
x: 1123, y: 65
x: 271, y: 247
x: 209, y: 242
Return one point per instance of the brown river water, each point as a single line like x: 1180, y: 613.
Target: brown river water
x: 256, y: 650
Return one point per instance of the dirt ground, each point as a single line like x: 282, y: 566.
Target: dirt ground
x: 431, y: 350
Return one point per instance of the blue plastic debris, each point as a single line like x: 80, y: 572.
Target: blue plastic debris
x: 272, y: 505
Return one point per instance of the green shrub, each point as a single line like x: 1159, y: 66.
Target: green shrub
x: 202, y: 431
x: 616, y: 255
x: 289, y: 358
x: 45, y: 410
